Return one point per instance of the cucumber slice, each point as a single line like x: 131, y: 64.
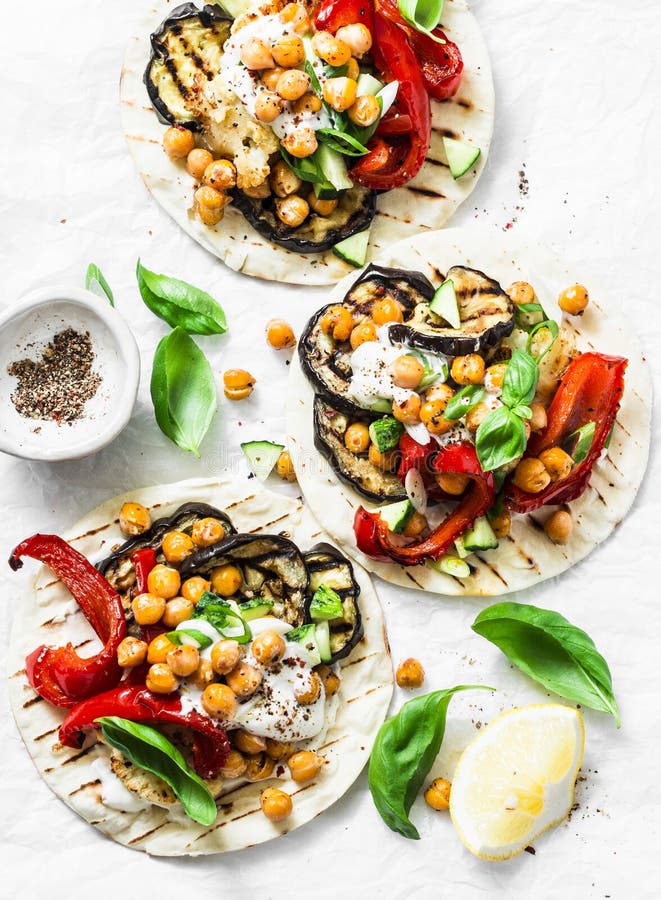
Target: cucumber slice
x: 368, y: 84
x: 255, y: 608
x: 262, y: 457
x: 451, y: 565
x: 397, y: 515
x: 354, y: 249
x: 325, y: 604
x: 322, y: 635
x: 461, y: 156
x: 379, y: 405
x: 237, y: 8
x: 306, y: 636
x: 325, y: 191
x: 480, y: 537
x: 385, y: 433
x: 444, y: 304
x: 333, y: 168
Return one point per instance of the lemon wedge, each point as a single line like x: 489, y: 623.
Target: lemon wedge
x: 517, y: 778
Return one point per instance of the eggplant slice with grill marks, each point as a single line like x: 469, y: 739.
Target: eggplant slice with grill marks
x: 272, y: 567
x: 186, y: 52
x: 330, y: 426
x: 328, y: 566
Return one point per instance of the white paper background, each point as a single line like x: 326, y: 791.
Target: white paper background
x: 577, y: 88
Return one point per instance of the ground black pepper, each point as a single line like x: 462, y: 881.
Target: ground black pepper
x: 58, y: 386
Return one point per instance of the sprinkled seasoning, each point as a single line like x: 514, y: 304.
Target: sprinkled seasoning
x: 58, y: 386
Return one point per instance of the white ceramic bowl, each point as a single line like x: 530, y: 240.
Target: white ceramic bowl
x: 25, y: 329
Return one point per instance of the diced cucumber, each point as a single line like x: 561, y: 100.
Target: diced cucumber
x: 385, y: 433
x: 237, y: 8
x: 255, y: 608
x: 354, y: 248
x: 334, y: 168
x: 444, y: 304
x: 306, y: 636
x: 461, y: 157
x: 480, y: 536
x: 368, y: 84
x: 451, y: 565
x: 379, y: 404
x: 325, y: 191
x: 326, y: 604
x: 397, y: 515
x: 322, y: 634
x: 262, y: 457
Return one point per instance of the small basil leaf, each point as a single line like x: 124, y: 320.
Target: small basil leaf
x: 405, y: 748
x: 307, y: 169
x: 147, y: 748
x: 314, y: 79
x: 579, y: 442
x: 423, y: 15
x: 183, y: 390
x: 342, y: 142
x: 463, y: 401
x: 180, y: 304
x: 520, y: 381
x: 523, y: 412
x: 552, y: 651
x: 500, y: 438
x: 95, y: 282
x: 553, y: 330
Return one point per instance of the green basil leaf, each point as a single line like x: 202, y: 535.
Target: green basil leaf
x: 95, y: 282
x: 183, y: 390
x: 336, y: 71
x: 523, y: 412
x: 579, y: 442
x: 147, y: 748
x: 553, y: 330
x: 500, y: 438
x: 423, y: 15
x: 341, y: 141
x: 307, y: 169
x: 180, y: 304
x: 520, y: 381
x: 405, y: 748
x: 552, y: 651
x: 463, y: 401
x: 314, y: 79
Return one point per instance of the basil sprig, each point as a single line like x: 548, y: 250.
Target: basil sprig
x: 180, y: 304
x: 148, y: 749
x: 501, y: 437
x: 95, y: 282
x: 405, y: 748
x: 183, y: 390
x: 463, y: 401
x: 552, y: 651
x: 423, y: 15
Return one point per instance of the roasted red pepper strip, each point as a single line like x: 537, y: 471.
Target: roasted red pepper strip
x: 210, y: 745
x: 590, y: 391
x: 334, y: 14
x: 365, y: 530
x: 459, y: 458
x: 60, y: 675
x: 143, y: 561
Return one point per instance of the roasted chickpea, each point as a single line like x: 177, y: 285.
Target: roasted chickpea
x: 234, y: 766
x: 476, y: 416
x: 521, y: 292
x: 408, y: 412
x: 531, y: 476
x: 387, y: 461
x: 271, y: 77
x: 248, y: 743
x: 296, y: 15
x: 362, y: 334
x: 415, y: 525
x: 304, y: 766
x: 280, y: 335
x: 432, y: 416
x: 176, y: 546
x: 440, y: 391
x: 308, y: 693
x: 208, y: 531
x: 293, y: 84
x: 387, y: 310
x: 158, y: 649
x: 256, y: 55
x: 238, y: 384
x: 202, y: 676
x: 177, y: 610
x: 337, y: 322
x: 284, y: 467
x: 193, y: 588
x: 164, y: 581
x: 244, y: 679
x: 357, y: 37
x: 437, y: 794
x: 353, y: 69
x: 308, y: 103
x: 219, y: 701
x: 293, y: 210
x: 330, y: 680
x: 131, y: 652
x: 268, y: 648
x: 357, y: 437
x: 494, y: 376
x: 210, y: 204
x: 276, y: 804
x: 538, y: 421
x: 501, y: 524
x: 365, y: 111
x: 220, y: 175
x: 134, y: 519
x: 452, y: 483
x: 226, y: 580
x: 178, y: 142
x: 161, y: 679
x: 410, y: 673
x: 468, y: 369
x: 197, y: 162
x: 183, y: 660
x: 225, y: 656
x: 278, y: 750
x: 407, y: 372
x: 288, y: 51
x: 300, y: 143
x: 148, y: 609
x: 259, y: 767
x: 268, y: 106
x: 335, y: 53
x: 321, y: 207
x: 258, y: 191
x: 559, y: 526
x: 556, y: 462
x: 340, y: 93
x: 574, y: 300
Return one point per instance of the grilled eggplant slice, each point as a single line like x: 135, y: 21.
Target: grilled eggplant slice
x: 330, y: 426
x: 328, y: 566
x: 354, y: 212
x: 186, y: 52
x: 485, y: 310
x: 272, y: 568
x: 327, y: 363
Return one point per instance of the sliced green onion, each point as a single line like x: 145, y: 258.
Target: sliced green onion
x: 202, y: 639
x: 451, y: 565
x: 553, y: 330
x: 423, y: 15
x: 581, y: 440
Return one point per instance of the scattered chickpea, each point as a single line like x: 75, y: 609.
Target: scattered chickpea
x: 335, y: 53
x: 234, y: 766
x: 330, y: 680
x: 338, y: 322
x: 321, y: 207
x: 574, y: 300
x: 410, y: 674
x: 521, y: 292
x: 158, y: 649
x: 437, y: 794
x: 258, y: 191
x: 357, y: 37
x: 304, y: 766
x: 161, y: 679
x: 468, y: 369
x: 415, y: 525
x: 407, y: 372
x: 148, y: 609
x: 531, y: 476
x: 178, y: 142
x: 164, y: 581
x: 357, y: 438
x: 501, y: 524
x: 248, y: 743
x: 208, y: 531
x: 556, y: 462
x: 559, y: 526
x: 293, y: 84
x: 284, y: 467
x: 539, y: 420
x: 238, y: 384
x: 268, y: 648
x: 183, y: 660
x: 276, y: 804
x: 268, y: 106
x: 494, y: 376
x: 278, y: 750
x: 280, y: 335
x: 292, y: 211
x: 270, y: 77
x: 300, y: 143
x: 225, y: 656
x: 259, y: 767
x: 219, y: 701
x: 297, y: 15
x: 308, y: 103
x: 476, y: 416
x: 353, y: 69
x: 210, y: 204
x: 197, y: 162
x: 131, y: 652
x: 193, y: 588
x: 284, y: 181
x: 288, y: 51
x: 363, y: 333
x: 134, y: 519
x: 176, y: 546
x: 452, y: 483
x: 387, y: 310
x: 177, y: 610
x: 244, y: 679
x: 441, y: 391
x: 365, y: 111
x: 202, y: 676
x: 226, y: 580
x: 408, y: 412
x: 432, y: 415
x: 255, y: 54
x: 306, y: 694
x: 387, y: 461
x: 340, y: 93
x: 220, y: 175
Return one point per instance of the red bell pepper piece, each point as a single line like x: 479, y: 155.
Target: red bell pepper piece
x: 210, y: 744
x: 590, y: 391
x: 334, y: 14
x: 365, y: 530
x: 143, y: 561
x: 414, y: 455
x: 459, y: 458
x: 60, y: 675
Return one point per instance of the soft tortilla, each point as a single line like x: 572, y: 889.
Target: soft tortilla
x: 424, y: 204
x: 527, y: 556
x: 52, y: 617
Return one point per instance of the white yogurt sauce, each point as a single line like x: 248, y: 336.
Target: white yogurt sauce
x: 113, y: 792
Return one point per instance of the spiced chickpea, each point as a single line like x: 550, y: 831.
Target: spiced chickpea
x: 193, y: 588
x: 134, y: 519
x: 268, y: 648
x: 158, y: 649
x: 210, y: 204
x: 278, y: 750
x: 357, y: 438
x: 178, y: 142
x: 177, y: 610
x: 357, y: 37
x: 494, y: 376
x: 176, y: 546
x: 183, y: 660
x: 452, y: 483
x: 268, y: 106
x: 259, y: 767
x: 131, y: 652
x: 521, y: 292
x: 300, y: 143
x: 531, y: 476
x: 288, y: 51
x: 574, y: 300
x: 244, y: 679
x: 387, y: 461
x: 164, y: 581
x: 197, y: 162
x: 340, y: 93
x: 219, y: 701
x: 258, y: 191
x: 440, y: 391
x: 284, y: 467
x: 308, y: 693
x: 559, y: 526
x: 148, y: 609
x: 208, y: 531
x: 432, y: 416
x: 280, y: 335
x: 353, y: 69
x: 304, y: 766
x: 234, y: 766
x: 238, y: 384
x: 248, y: 743
x: 338, y: 322
x: 226, y: 580
x: 330, y: 680
x: 295, y: 14
x: 321, y: 207
x: 363, y: 333
x: 437, y: 794
x: 202, y: 676
x: 538, y: 420
x: 276, y: 804
x: 407, y: 372
x: 408, y: 412
x: 410, y: 673
x: 225, y: 656
x: 335, y: 53
x: 220, y: 175
x: 556, y: 462
x: 255, y: 54
x: 501, y: 524
x: 415, y: 525
x: 468, y: 369
x: 476, y: 416
x: 292, y: 211
x: 270, y: 77
x: 308, y: 103
x: 161, y: 679
x: 293, y: 84
x: 365, y: 111
x: 387, y: 310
